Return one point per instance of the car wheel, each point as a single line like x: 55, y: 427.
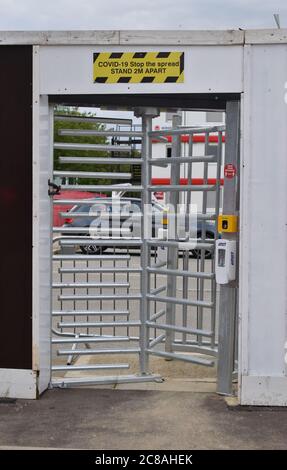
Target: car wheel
x: 208, y: 254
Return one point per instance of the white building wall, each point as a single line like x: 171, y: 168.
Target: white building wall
x: 263, y: 225
x: 263, y: 263
x: 68, y: 70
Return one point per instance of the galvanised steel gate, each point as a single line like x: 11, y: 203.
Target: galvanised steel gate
x: 134, y: 294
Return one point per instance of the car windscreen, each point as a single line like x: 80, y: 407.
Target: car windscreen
x: 84, y: 208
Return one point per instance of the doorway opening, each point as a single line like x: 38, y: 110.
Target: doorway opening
x: 135, y: 225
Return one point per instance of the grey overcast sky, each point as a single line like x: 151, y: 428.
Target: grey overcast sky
x: 139, y: 14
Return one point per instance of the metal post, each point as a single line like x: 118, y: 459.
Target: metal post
x: 187, y: 231
x: 217, y: 210
x: 201, y: 286
x: 227, y: 301
x: 172, y: 253
x: 147, y: 115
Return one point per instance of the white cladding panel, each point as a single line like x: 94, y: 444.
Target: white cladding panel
x: 42, y: 171
x: 263, y: 303
x: 18, y: 383
x: 208, y: 69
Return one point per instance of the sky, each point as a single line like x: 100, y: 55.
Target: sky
x: 140, y: 14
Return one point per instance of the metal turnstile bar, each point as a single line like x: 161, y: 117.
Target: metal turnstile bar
x: 93, y: 147
x: 180, y: 272
x: 100, y: 297
x: 98, y: 324
x: 89, y: 257
x: 91, y: 367
x: 97, y: 213
x: 79, y: 215
x: 158, y: 314
x: 180, y: 329
x: 81, y: 285
x: 84, y: 202
x: 89, y: 339
x: 92, y: 175
x: 72, y: 202
x: 100, y: 188
x: 74, y: 334
x: 183, y: 187
x: 158, y: 290
x: 100, y: 270
x: 72, y: 382
x: 157, y: 340
x: 93, y: 119
x: 100, y: 242
x: 195, y: 349
x: 101, y: 160
x: 92, y: 352
x: 179, y: 244
x: 104, y: 215
x: 94, y: 231
x: 193, y: 360
x: 92, y: 132
x: 66, y: 313
x: 179, y: 160
x: 180, y: 301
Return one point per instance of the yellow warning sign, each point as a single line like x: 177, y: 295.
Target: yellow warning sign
x: 138, y: 67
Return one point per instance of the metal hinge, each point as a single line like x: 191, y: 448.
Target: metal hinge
x: 54, y: 188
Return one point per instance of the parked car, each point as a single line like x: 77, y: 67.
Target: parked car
x: 111, y: 217
x: 68, y: 194
x: 115, y: 217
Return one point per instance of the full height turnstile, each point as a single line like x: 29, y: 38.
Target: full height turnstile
x: 133, y: 296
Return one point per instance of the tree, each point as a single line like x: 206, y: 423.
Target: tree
x: 68, y: 111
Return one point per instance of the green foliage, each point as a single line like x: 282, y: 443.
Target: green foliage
x: 60, y: 110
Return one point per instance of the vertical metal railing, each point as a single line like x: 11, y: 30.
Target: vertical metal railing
x: 147, y: 116
x: 186, y: 254
x: 217, y: 211
x: 172, y: 251
x: 228, y: 293
x: 201, y: 337
x: 203, y: 238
